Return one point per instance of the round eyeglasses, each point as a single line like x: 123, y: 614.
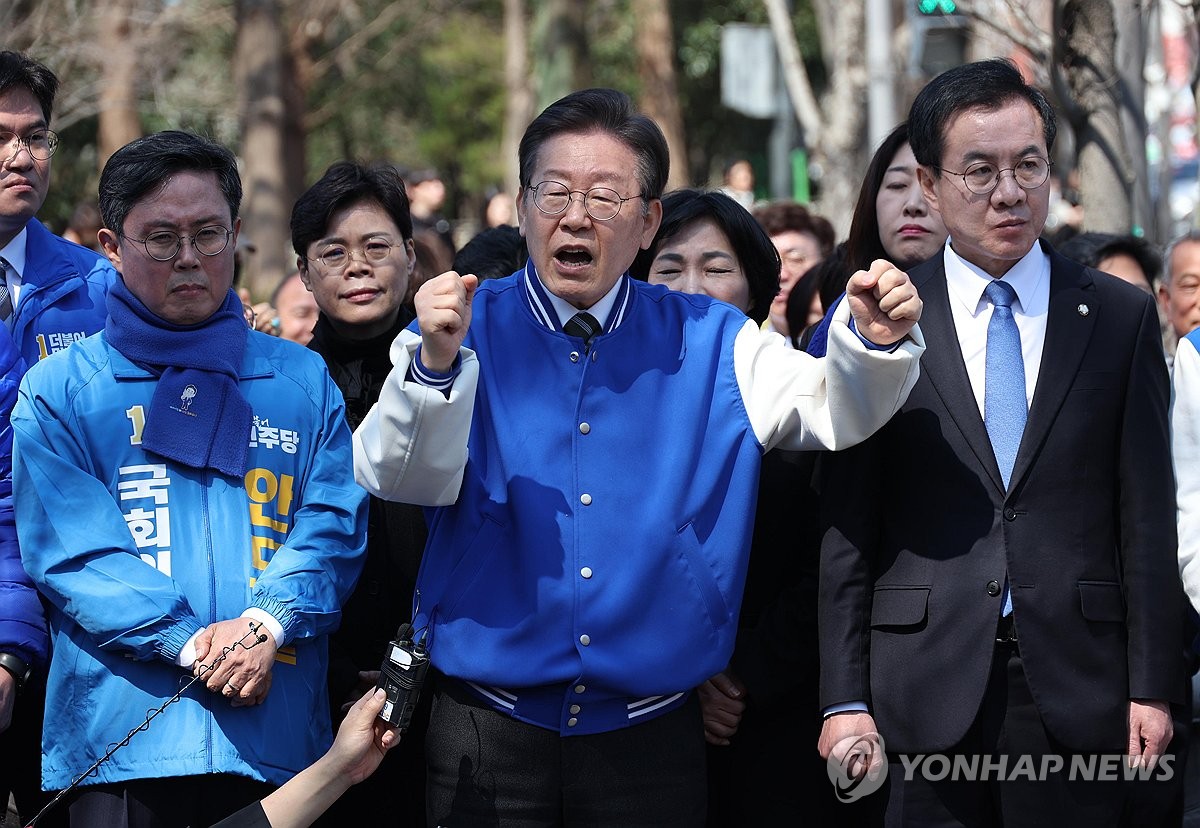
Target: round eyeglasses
x: 41, y: 143
x: 336, y: 257
x: 981, y: 178
x: 163, y: 245
x: 602, y: 204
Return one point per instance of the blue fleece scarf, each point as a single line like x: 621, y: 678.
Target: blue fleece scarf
x: 198, y: 416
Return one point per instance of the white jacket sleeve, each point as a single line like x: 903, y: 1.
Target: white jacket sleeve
x: 412, y: 445
x: 797, y: 401
x: 1185, y: 452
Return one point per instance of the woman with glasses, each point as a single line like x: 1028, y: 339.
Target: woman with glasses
x: 353, y: 238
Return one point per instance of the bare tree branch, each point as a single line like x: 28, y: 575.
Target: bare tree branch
x: 794, y: 75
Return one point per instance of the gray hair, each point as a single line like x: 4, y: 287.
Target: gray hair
x: 1189, y: 236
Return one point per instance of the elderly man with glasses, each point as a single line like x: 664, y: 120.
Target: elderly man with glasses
x: 593, y: 446
x: 185, y: 503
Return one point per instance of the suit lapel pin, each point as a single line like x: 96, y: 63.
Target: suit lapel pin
x: 1083, y: 310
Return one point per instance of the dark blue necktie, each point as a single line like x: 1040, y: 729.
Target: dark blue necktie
x: 6, y: 302
x: 582, y: 325
x: 1004, y: 408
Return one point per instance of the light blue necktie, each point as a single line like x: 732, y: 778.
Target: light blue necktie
x: 1004, y: 409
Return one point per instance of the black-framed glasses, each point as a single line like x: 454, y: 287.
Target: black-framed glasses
x: 336, y: 257
x: 981, y: 178
x: 164, y: 245
x: 602, y: 204
x: 41, y: 143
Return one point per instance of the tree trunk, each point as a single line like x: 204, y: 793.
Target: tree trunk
x: 118, y: 117
x: 562, y: 50
x: 296, y: 85
x: 518, y: 108
x: 839, y: 145
x: 795, y: 78
x: 660, y: 92
x: 258, y: 71
x: 1133, y: 30
x: 1090, y: 41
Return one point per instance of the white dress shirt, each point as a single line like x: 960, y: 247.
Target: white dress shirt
x: 971, y: 311
x: 599, y: 311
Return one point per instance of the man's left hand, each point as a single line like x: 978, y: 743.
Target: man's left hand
x: 1150, y: 731
x: 244, y: 677
x: 883, y: 302
x: 722, y: 703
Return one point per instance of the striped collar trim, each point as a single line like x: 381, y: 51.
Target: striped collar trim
x: 543, y: 309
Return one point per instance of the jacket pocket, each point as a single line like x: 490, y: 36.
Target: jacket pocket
x: 902, y: 606
x: 1102, y: 601
x: 466, y: 571
x: 701, y: 572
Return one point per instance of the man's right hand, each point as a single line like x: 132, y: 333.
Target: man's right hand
x: 846, y: 736
x: 8, y: 697
x: 444, y: 314
x: 244, y: 675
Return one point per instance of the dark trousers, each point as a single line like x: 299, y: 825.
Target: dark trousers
x: 1008, y: 725
x: 488, y: 769
x: 771, y: 773
x: 173, y: 802
x: 21, y: 761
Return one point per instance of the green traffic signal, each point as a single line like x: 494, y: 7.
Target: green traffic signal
x: 937, y: 6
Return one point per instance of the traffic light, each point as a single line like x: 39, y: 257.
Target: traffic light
x: 939, y: 37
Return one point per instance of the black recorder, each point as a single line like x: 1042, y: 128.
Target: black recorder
x: 401, y: 676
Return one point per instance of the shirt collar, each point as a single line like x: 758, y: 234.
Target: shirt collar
x: 1028, y: 277
x: 14, y: 251
x: 554, y: 312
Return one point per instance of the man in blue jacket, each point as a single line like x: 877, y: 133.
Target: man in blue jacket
x: 183, y: 484
x: 593, y: 444
x: 53, y: 289
x: 51, y: 294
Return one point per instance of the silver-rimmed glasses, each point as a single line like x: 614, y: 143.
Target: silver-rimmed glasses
x: 336, y: 257
x: 601, y: 203
x: 41, y: 143
x: 981, y: 178
x: 163, y: 245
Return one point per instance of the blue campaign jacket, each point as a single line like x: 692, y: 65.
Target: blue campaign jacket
x: 22, y: 624
x: 586, y: 579
x: 62, y: 294
x: 136, y: 554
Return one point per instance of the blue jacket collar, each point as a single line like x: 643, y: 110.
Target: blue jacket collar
x: 543, y: 310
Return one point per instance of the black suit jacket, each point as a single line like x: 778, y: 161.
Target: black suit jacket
x: 920, y: 532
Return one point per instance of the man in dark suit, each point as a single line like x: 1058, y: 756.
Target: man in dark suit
x: 1002, y: 589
